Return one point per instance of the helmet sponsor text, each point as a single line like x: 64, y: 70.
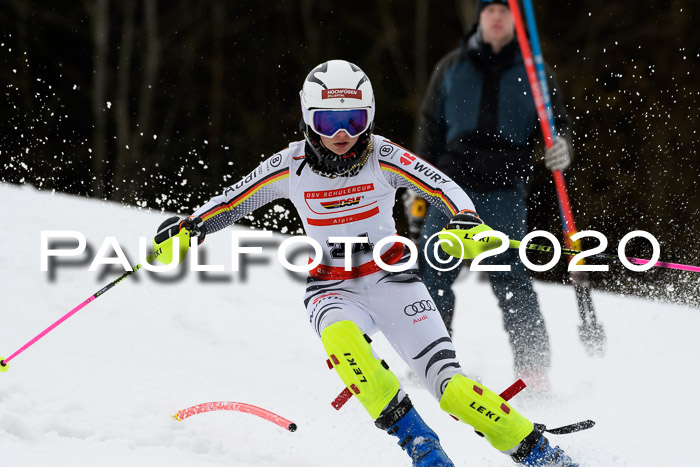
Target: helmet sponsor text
x: 341, y: 94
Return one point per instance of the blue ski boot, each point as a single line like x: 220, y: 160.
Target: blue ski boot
x: 415, y: 437
x: 535, y: 451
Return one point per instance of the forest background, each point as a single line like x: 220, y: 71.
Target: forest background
x: 159, y: 104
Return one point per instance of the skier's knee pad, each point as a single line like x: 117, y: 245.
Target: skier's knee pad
x: 486, y: 411
x: 366, y: 376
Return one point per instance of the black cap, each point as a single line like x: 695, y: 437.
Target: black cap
x: 481, y: 4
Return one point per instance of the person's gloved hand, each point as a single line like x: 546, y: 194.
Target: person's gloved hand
x: 464, y: 220
x: 558, y: 157
x: 173, y: 225
x: 464, y: 226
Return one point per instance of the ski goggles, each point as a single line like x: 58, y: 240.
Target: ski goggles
x: 329, y: 122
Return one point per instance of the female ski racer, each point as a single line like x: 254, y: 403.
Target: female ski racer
x: 342, y: 180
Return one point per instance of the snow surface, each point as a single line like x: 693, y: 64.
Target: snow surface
x: 100, y: 389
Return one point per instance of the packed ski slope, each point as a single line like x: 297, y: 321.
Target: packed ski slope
x: 100, y: 389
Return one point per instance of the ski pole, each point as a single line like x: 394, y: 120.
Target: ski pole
x: 164, y: 249
x: 467, y: 247
x: 637, y: 261
x: 590, y: 332
x: 5, y: 362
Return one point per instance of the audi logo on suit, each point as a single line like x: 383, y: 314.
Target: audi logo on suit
x: 418, y: 307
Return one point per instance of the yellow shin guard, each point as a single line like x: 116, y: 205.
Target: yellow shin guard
x: 367, y: 377
x: 486, y: 411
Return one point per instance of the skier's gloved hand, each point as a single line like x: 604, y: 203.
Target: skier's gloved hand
x: 558, y: 157
x: 173, y: 225
x: 464, y: 220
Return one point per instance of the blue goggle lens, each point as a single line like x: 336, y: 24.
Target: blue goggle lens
x: 329, y: 122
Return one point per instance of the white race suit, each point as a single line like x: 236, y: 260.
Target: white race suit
x: 395, y: 303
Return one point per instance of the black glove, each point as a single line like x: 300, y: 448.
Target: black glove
x: 464, y: 220
x: 173, y: 225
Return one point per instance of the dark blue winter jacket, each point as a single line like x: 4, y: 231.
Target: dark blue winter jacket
x: 478, y: 121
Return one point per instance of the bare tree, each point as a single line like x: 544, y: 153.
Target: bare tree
x: 122, y: 111
x: 98, y: 10
x: 130, y: 162
x: 311, y: 29
x: 216, y: 94
x: 420, y: 50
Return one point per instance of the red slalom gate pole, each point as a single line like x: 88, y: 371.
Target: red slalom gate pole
x: 235, y: 407
x: 590, y: 332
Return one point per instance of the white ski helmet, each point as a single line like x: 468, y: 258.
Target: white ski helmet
x: 337, y: 85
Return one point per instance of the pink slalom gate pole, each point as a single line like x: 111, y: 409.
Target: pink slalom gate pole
x: 235, y: 407
x: 4, y: 362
